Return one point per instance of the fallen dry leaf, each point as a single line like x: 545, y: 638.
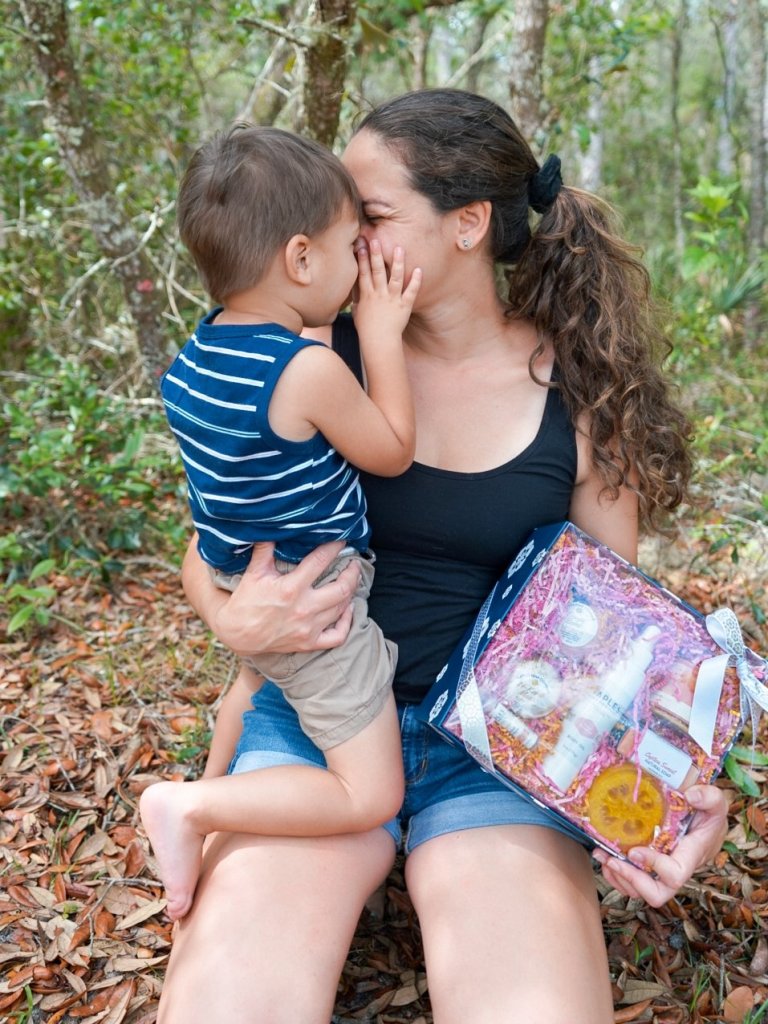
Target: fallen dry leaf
x: 631, y: 1013
x: 640, y: 991
x: 737, y: 1004
x: 140, y: 914
x: 117, y: 694
x: 758, y: 965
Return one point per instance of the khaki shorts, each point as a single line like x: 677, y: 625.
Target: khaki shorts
x: 336, y: 693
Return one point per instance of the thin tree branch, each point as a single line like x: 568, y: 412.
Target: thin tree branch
x: 275, y: 30
x: 475, y: 58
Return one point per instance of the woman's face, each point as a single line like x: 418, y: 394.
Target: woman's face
x: 394, y: 213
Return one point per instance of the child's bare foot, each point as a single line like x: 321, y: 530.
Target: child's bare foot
x: 176, y: 845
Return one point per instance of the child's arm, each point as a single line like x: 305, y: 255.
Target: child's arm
x: 229, y: 722
x: 381, y: 312
x: 316, y: 391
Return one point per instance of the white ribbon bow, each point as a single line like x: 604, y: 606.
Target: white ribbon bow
x: 723, y: 626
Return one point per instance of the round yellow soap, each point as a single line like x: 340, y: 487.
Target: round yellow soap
x: 615, y: 813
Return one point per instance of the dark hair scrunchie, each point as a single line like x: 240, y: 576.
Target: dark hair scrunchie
x: 545, y: 185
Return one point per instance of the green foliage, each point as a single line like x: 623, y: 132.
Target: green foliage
x: 718, y: 371
x: 35, y: 205
x: 26, y: 602
x: 700, y: 982
x: 83, y: 466
x: 193, y: 746
x: 157, y: 77
x: 85, y: 477
x: 716, y: 258
x: 740, y: 777
x: 757, y: 1015
x: 592, y: 48
x: 750, y: 757
x: 25, y: 1015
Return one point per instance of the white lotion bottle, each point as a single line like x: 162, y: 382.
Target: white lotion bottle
x: 597, y: 712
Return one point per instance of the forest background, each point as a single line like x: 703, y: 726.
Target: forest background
x: 107, y: 679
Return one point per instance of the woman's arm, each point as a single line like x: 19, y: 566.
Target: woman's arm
x: 273, y: 612
x: 652, y: 876
x: 612, y: 522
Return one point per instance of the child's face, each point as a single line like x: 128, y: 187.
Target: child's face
x: 334, y: 267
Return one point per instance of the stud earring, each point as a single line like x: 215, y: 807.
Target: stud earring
x: 466, y: 243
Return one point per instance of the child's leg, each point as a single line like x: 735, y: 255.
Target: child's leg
x: 226, y: 732
x: 362, y: 788
x: 229, y: 721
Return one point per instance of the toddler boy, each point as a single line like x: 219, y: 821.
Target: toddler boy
x: 268, y: 423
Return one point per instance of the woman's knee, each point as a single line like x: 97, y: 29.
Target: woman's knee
x: 510, y: 855
x: 260, y: 906
x: 496, y: 907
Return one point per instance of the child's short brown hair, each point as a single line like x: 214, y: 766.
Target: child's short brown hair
x: 246, y: 192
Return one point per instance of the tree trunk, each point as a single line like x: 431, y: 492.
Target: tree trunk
x: 757, y: 149
x: 526, y: 58
x: 47, y: 33
x: 421, y: 35
x: 756, y: 95
x: 480, y: 27
x: 674, y: 104
x: 592, y: 162
x: 442, y: 47
x: 726, y: 162
x: 324, y: 62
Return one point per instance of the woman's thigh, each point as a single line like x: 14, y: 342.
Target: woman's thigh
x: 270, y: 928
x: 511, y: 927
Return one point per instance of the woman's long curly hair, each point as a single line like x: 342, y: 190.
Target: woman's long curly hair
x: 584, y: 288
x: 587, y: 291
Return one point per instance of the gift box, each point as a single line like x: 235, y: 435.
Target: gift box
x: 593, y: 690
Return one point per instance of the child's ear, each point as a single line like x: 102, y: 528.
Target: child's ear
x: 297, y: 259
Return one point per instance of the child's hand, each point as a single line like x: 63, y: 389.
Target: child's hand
x: 383, y: 306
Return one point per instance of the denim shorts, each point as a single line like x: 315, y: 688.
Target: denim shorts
x: 445, y: 790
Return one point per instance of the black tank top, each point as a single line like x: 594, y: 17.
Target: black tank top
x: 442, y: 539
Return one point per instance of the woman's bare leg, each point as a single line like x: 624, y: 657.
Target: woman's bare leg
x: 511, y: 928
x: 361, y: 789
x: 270, y: 928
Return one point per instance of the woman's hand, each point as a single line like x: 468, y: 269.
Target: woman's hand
x: 697, y: 847
x: 271, y: 612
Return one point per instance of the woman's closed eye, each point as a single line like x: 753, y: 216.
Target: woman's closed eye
x: 373, y: 213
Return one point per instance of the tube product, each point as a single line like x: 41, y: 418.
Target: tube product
x: 515, y: 726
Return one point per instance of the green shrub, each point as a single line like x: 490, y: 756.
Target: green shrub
x: 87, y: 475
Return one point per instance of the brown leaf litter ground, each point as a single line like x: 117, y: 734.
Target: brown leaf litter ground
x: 120, y: 689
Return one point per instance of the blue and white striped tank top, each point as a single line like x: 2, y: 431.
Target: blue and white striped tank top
x: 246, y: 483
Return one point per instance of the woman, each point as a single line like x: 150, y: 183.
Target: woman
x: 502, y: 893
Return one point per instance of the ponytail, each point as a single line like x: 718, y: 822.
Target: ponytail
x: 586, y: 290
